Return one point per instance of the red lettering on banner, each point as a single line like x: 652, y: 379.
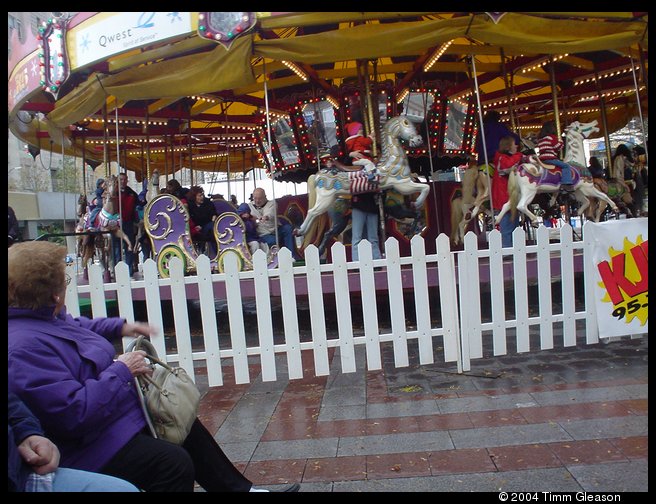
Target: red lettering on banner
x: 614, y: 278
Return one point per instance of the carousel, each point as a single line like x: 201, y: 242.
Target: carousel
x: 192, y: 94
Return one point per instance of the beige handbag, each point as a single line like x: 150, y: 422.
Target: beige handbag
x: 169, y: 397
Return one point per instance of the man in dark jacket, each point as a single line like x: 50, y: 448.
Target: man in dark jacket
x: 129, y: 218
x: 33, y: 460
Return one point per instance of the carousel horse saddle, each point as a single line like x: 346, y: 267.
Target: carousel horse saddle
x: 361, y: 182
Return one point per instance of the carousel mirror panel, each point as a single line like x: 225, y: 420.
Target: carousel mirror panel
x: 460, y: 125
x: 317, y: 126
x: 283, y: 154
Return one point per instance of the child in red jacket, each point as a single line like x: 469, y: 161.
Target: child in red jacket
x: 504, y: 159
x: 359, y: 148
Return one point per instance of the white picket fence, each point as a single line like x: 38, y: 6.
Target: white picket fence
x: 460, y: 337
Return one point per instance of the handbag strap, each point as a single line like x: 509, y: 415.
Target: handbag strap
x: 144, y: 408
x: 139, y: 383
x: 151, y: 353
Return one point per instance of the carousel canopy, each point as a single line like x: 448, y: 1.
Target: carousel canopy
x: 191, y: 89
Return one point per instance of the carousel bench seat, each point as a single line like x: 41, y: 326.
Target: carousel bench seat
x: 167, y: 226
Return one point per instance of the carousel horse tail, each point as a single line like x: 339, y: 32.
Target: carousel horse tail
x: 312, y: 193
x: 310, y: 237
x: 456, y: 217
x: 514, y: 192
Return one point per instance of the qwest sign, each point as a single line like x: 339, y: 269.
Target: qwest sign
x: 123, y: 31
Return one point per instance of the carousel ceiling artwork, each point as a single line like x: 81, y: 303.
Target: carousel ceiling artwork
x: 228, y: 91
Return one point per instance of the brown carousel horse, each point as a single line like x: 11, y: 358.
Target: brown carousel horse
x: 470, y: 204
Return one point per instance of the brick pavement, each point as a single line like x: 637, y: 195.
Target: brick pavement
x: 559, y: 420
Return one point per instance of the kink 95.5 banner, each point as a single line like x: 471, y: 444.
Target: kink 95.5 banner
x: 619, y: 252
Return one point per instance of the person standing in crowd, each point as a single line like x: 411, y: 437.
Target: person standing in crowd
x: 12, y: 227
x: 549, y: 146
x: 598, y: 174
x: 640, y: 178
x: 129, y: 219
x: 364, y: 223
x: 622, y: 166
x: 33, y: 460
x: 174, y: 188
x: 67, y: 373
x: 203, y: 213
x: 141, y: 235
x: 595, y: 168
x: 264, y: 211
x: 504, y: 159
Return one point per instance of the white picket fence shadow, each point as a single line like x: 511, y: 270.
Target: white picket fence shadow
x: 460, y: 337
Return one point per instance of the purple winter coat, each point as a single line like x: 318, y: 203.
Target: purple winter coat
x: 63, y: 369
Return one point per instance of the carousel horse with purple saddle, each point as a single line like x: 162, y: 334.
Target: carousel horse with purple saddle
x: 530, y: 178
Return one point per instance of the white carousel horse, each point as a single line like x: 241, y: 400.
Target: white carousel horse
x: 153, y: 186
x: 475, y: 191
x: 108, y: 218
x: 617, y: 191
x: 528, y: 179
x: 393, y: 172
x: 575, y: 133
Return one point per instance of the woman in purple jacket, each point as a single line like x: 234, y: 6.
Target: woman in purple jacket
x: 64, y: 370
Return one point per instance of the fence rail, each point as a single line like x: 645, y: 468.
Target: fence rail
x: 450, y: 321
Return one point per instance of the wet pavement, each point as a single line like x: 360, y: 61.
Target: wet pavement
x: 563, y: 420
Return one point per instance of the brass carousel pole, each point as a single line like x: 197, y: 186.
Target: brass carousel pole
x: 166, y: 157
x: 643, y: 68
x: 171, y: 144
x: 189, y: 149
x: 105, y: 140
x: 370, y: 112
x: 118, y: 172
x: 143, y: 162
x: 243, y: 172
x: 84, y: 166
x: 363, y: 102
x: 554, y: 95
x: 604, y: 121
x: 63, y: 182
x: 147, y: 131
x: 637, y: 91
x: 227, y: 147
x: 482, y: 129
x: 271, y: 160
x: 509, y: 92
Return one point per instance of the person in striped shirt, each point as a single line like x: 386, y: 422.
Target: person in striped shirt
x: 549, y: 147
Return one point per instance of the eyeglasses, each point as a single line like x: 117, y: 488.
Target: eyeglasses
x: 68, y: 279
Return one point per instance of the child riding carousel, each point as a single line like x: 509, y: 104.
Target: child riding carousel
x: 359, y: 148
